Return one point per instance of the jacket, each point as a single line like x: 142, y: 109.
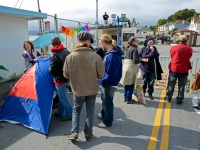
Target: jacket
x: 113, y: 68
x: 83, y: 67
x: 57, y: 62
x: 180, y: 62
x: 151, y: 55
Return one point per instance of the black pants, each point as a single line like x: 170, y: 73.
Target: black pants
x: 182, y: 81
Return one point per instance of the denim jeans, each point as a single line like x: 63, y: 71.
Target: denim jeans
x: 64, y: 103
x: 182, y: 81
x: 128, y: 91
x: 148, y: 78
x: 90, y: 105
x: 107, y: 95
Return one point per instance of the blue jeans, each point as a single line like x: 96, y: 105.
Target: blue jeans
x: 107, y: 95
x: 128, y: 91
x: 90, y: 105
x: 148, y: 78
x: 64, y: 103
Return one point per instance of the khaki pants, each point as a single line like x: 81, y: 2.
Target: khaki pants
x: 106, y: 22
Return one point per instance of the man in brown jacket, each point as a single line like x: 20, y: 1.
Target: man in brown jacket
x: 82, y: 67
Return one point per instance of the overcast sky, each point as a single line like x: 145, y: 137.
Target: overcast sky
x: 146, y: 12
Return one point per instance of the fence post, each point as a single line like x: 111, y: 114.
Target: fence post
x: 56, y: 24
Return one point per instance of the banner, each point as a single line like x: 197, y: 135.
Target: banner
x: 70, y: 32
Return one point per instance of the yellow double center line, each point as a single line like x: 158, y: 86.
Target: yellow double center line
x: 156, y: 127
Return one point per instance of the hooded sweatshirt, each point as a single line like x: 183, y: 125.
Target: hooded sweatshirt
x: 57, y: 62
x: 113, y: 68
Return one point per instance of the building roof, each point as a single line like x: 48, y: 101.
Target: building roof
x: 185, y: 30
x: 20, y: 13
x: 165, y: 25
x: 145, y: 29
x: 196, y: 19
x: 181, y: 22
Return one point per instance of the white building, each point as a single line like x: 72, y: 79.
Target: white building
x: 195, y: 24
x: 13, y: 32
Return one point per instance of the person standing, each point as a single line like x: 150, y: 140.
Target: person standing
x: 148, y: 54
x: 105, y: 18
x: 83, y: 67
x: 30, y: 55
x: 61, y: 83
x: 130, y: 69
x: 109, y: 83
x: 178, y: 69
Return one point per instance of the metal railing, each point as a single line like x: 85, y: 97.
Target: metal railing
x: 165, y: 60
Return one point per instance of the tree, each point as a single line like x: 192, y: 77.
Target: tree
x: 185, y: 14
x: 152, y: 28
x: 160, y: 22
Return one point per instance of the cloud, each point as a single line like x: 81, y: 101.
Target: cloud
x: 146, y: 12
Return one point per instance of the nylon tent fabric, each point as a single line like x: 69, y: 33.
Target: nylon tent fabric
x: 30, y: 100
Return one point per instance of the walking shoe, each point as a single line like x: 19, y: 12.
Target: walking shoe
x: 124, y: 100
x: 151, y: 97
x: 88, y: 137
x: 65, y: 118
x: 179, y: 102
x: 197, y: 107
x: 168, y: 99
x: 131, y: 102
x: 57, y: 115
x: 73, y: 136
x: 101, y: 125
x: 99, y: 115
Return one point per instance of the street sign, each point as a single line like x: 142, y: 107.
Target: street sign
x: 47, y: 26
x: 113, y: 16
x: 123, y: 15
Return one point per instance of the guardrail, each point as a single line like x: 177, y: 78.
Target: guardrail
x: 165, y: 60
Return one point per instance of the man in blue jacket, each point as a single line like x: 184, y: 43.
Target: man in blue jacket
x: 109, y: 83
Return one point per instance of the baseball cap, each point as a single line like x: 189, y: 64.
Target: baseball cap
x: 183, y: 38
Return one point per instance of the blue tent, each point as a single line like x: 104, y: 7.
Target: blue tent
x: 30, y: 100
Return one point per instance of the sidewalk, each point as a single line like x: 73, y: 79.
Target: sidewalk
x: 4, y: 87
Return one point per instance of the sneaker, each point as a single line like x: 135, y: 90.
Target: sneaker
x: 197, y: 107
x: 73, y: 136
x: 101, y: 125
x: 65, y: 118
x: 99, y: 115
x: 131, y: 102
x: 88, y: 137
x: 151, y: 97
x: 57, y: 115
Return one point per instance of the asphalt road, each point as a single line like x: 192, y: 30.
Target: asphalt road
x: 158, y: 125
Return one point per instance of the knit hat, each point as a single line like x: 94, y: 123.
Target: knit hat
x: 182, y: 38
x: 84, y: 36
x: 147, y: 40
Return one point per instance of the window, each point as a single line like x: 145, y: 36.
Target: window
x: 126, y: 36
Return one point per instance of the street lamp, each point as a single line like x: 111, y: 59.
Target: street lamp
x: 97, y: 23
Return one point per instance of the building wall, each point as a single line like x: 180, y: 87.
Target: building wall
x: 13, y: 32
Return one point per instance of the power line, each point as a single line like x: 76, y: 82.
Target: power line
x: 21, y: 4
x: 16, y: 3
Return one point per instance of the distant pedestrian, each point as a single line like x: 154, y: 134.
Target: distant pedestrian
x: 30, y: 55
x: 178, y: 69
x: 109, y: 83
x: 61, y: 83
x: 105, y: 18
x: 83, y: 67
x: 148, y: 54
x: 130, y: 69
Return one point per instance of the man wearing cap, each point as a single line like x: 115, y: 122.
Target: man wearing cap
x: 178, y: 69
x: 83, y: 67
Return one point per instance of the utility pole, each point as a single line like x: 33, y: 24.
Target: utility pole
x: 97, y: 24
x: 39, y: 21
